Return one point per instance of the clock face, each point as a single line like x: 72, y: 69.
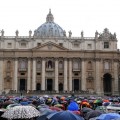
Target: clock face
x: 106, y: 34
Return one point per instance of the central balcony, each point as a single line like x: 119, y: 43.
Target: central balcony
x: 22, y: 69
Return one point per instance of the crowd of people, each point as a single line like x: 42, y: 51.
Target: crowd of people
x: 78, y: 105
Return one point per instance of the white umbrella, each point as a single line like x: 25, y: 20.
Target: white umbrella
x: 21, y: 112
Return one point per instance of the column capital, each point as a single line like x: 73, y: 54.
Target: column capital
x: 97, y: 59
x: 1, y: 58
x: 44, y: 59
x: 29, y: 58
x: 56, y: 59
x: 116, y: 60
x: 34, y: 58
x: 16, y: 59
x: 65, y: 58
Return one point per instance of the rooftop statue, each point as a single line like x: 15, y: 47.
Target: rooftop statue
x: 70, y: 33
x: 17, y: 32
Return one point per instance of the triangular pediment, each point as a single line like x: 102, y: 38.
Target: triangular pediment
x: 50, y: 46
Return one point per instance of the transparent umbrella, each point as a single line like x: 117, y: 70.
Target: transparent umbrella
x: 21, y: 112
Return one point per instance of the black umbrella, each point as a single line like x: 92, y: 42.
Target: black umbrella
x: 86, y: 109
x: 92, y: 114
x: 1, y: 112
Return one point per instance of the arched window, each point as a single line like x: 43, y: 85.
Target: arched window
x: 75, y: 65
x: 38, y: 65
x: 60, y: 87
x: 22, y: 64
x: 8, y: 65
x: 60, y: 65
x: 89, y: 65
x: 38, y: 86
x: 50, y: 64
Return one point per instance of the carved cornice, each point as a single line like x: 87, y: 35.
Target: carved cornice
x: 115, y: 60
x: 97, y: 59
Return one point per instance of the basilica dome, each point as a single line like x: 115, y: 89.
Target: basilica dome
x: 49, y: 28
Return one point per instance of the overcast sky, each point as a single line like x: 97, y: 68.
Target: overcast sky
x: 74, y: 15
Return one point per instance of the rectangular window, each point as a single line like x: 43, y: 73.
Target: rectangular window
x: 76, y: 45
x: 38, y: 44
x: 89, y: 46
x: 22, y: 73
x: 9, y: 45
x: 23, y: 45
x: 75, y: 74
x: 106, y: 44
x: 38, y: 74
x: 61, y: 44
x: 60, y: 74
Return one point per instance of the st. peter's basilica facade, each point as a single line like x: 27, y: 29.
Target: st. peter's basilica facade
x: 49, y: 60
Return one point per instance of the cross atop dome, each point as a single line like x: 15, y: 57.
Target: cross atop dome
x: 49, y: 17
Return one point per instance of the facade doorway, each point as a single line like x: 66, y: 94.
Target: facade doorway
x: 22, y: 85
x: 49, y: 84
x: 76, y: 84
x: 107, y: 84
x: 60, y: 87
x: 38, y: 86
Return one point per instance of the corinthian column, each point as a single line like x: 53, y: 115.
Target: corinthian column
x: 83, y: 75
x: 115, y: 78
x: 43, y: 75
x: 15, y: 83
x: 1, y: 76
x: 56, y: 75
x: 65, y: 75
x: 70, y: 75
x: 29, y: 75
x: 97, y: 77
x: 34, y: 75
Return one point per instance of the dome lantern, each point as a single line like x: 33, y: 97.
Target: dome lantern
x: 49, y: 17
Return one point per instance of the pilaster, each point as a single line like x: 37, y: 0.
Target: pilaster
x: 43, y: 75
x: 65, y: 75
x: 56, y: 75
x: 34, y: 75
x: 70, y: 74
x: 1, y: 76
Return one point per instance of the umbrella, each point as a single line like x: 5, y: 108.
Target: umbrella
x: 42, y: 106
x: 101, y: 108
x: 64, y: 115
x: 6, y: 103
x: 108, y: 116
x: 73, y: 106
x: 86, y: 109
x: 13, y: 105
x: 1, y: 112
x: 98, y: 101
x: 21, y: 112
x: 92, y: 114
x: 55, y: 108
x: 44, y: 113
x: 117, y: 119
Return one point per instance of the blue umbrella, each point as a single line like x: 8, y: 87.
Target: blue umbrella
x: 108, y: 116
x: 44, y: 113
x: 73, y: 106
x: 64, y: 115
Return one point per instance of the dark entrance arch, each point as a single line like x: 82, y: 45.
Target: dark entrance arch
x: 107, y: 84
x: 60, y: 87
x: 49, y: 84
x: 76, y: 84
x: 22, y: 85
x: 38, y: 86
